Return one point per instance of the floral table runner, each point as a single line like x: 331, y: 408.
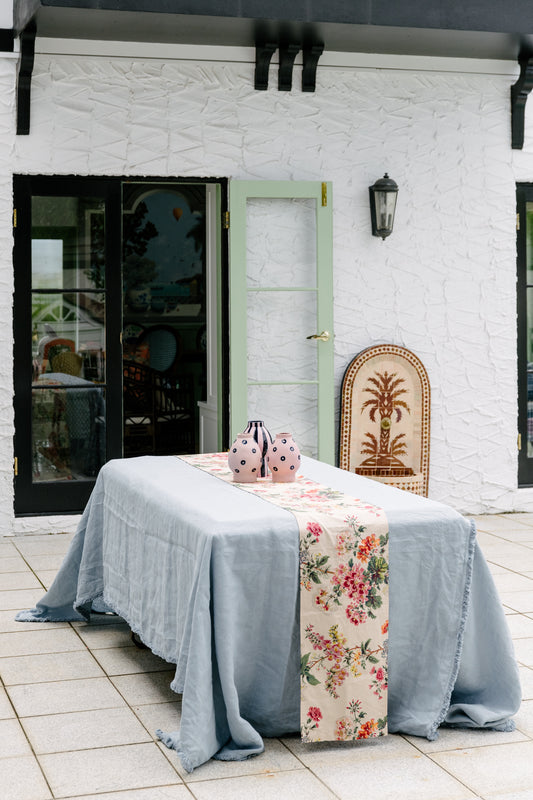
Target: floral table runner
x: 344, y: 591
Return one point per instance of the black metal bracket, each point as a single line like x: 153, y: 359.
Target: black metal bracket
x: 311, y: 55
x: 287, y: 54
x: 263, y: 57
x: 27, y: 57
x: 519, y: 94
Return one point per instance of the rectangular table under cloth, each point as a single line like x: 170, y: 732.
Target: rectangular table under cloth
x: 208, y: 577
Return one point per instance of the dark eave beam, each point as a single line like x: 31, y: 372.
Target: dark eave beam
x: 263, y: 57
x: 27, y: 56
x: 519, y: 94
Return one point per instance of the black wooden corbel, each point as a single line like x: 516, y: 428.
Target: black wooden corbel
x: 27, y: 56
x: 263, y: 57
x: 287, y: 54
x: 519, y: 94
x: 311, y: 55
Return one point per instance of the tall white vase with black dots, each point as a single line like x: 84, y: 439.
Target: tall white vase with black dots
x: 244, y: 459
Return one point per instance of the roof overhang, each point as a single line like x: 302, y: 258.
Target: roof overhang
x: 490, y: 29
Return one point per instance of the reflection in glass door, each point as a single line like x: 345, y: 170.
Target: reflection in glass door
x: 164, y: 316
x: 68, y: 338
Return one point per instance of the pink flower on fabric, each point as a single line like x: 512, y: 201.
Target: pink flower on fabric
x: 355, y: 584
x: 314, y: 713
x: 314, y: 529
x: 380, y: 674
x: 355, y: 614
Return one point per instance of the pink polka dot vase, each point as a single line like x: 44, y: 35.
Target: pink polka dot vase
x: 283, y: 458
x: 244, y: 458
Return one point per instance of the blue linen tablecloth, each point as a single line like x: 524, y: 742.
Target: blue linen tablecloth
x: 207, y: 575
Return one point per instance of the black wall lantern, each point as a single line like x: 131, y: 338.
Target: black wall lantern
x: 383, y: 196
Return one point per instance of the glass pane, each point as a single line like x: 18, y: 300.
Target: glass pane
x: 68, y: 334
x: 164, y: 314
x: 278, y: 349
x: 529, y: 341
x: 68, y: 429
x: 68, y: 243
x: 281, y: 242
x: 288, y: 408
x: 529, y: 243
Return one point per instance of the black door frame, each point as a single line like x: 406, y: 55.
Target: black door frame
x: 64, y: 497
x: 524, y: 194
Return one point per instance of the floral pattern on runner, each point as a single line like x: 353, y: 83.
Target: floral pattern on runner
x: 344, y: 579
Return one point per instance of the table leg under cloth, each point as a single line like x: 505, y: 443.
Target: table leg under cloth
x: 208, y: 590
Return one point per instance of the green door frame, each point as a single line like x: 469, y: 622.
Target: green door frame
x: 321, y: 193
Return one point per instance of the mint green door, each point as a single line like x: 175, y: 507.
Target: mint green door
x: 281, y: 311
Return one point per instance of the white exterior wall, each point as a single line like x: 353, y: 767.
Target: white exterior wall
x: 443, y: 285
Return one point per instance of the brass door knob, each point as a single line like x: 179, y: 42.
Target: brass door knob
x: 324, y: 336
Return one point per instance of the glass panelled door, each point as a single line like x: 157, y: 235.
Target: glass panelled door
x: 281, y: 311
x: 525, y: 333
x: 62, y: 346
x: 119, y: 330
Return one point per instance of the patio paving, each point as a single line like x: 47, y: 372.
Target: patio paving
x: 79, y: 706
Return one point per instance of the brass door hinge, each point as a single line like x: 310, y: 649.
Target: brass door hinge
x: 519, y: 441
x: 518, y: 222
x: 324, y: 194
x: 225, y: 220
x: 16, y: 466
x: 14, y: 217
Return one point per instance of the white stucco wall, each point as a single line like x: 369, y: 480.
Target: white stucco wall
x: 442, y: 285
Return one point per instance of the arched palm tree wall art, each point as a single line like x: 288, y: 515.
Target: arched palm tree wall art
x: 385, y: 418
x: 386, y: 405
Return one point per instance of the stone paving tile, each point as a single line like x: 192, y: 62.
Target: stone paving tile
x: 7, y: 548
x: 48, y: 667
x: 154, y: 793
x: 42, y: 545
x: 524, y: 651
x: 13, y: 742
x: 273, y: 786
x: 526, y: 681
x: 6, y: 709
x: 24, y: 643
x: 13, y: 563
x: 20, y: 598
x: 19, y: 580
x: 22, y: 779
x: 493, y: 769
x: 90, y: 694
x: 107, y: 769
x: 400, y: 778
x: 83, y: 730
x: 520, y: 625
x: 518, y: 601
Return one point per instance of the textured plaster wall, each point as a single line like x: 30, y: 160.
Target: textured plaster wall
x: 443, y: 285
